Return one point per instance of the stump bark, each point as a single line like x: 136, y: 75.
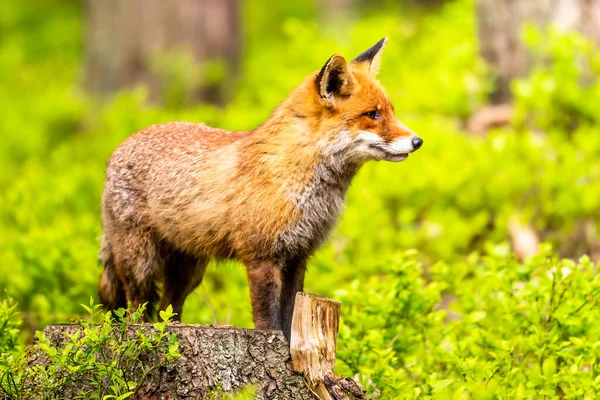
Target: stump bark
x: 215, y: 360
x: 224, y: 359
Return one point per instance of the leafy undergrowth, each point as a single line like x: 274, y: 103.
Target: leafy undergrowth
x: 486, y: 328
x: 99, y: 359
x: 489, y: 327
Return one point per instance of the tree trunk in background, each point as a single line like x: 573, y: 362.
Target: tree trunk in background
x: 126, y: 38
x: 333, y: 13
x: 500, y: 23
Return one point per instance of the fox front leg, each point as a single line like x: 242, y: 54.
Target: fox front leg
x: 293, y: 282
x: 265, y: 281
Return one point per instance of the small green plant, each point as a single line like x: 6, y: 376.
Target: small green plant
x: 10, y: 344
x: 97, y: 360
x: 247, y: 393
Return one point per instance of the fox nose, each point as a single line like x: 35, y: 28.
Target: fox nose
x: 417, y: 143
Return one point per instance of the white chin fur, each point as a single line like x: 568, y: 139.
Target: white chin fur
x: 368, y: 146
x: 373, y: 147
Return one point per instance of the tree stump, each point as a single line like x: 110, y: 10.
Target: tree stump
x: 213, y: 360
x: 224, y: 359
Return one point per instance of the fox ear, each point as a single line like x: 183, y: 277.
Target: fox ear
x: 372, y: 57
x: 334, y: 80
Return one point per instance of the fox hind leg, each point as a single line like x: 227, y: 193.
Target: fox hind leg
x: 182, y: 274
x: 112, y: 293
x: 138, y: 263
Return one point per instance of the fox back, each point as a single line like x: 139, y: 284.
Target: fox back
x: 178, y: 194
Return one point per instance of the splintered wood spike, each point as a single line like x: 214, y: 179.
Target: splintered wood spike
x: 313, y: 341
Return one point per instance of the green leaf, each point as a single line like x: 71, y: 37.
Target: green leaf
x: 120, y: 312
x: 549, y: 367
x: 442, y: 384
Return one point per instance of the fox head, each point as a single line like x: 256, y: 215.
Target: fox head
x: 354, y: 118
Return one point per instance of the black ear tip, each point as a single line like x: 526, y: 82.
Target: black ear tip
x: 369, y: 54
x: 381, y: 44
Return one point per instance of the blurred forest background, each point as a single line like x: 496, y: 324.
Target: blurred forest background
x: 502, y: 204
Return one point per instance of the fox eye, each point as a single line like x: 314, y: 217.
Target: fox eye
x: 374, y: 115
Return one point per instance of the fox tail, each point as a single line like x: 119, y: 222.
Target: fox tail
x: 112, y: 293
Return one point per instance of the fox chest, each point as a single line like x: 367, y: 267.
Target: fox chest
x: 318, y: 207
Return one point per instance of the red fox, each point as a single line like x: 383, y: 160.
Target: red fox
x: 179, y: 194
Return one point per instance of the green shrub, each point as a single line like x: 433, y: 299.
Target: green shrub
x: 10, y: 343
x: 512, y: 330
x: 100, y: 359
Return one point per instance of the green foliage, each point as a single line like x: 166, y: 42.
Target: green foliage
x: 100, y: 359
x: 513, y: 330
x: 10, y: 343
x: 561, y: 92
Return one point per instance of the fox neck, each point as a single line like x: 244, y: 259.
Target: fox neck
x: 313, y: 176
x: 293, y: 147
